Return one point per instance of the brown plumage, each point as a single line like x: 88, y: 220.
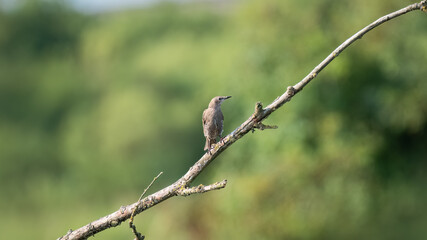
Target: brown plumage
x: 213, y: 121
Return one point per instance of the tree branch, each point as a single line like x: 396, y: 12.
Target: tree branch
x: 181, y: 186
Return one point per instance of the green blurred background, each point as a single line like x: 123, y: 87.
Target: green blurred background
x: 93, y: 106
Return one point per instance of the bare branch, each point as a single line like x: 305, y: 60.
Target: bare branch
x: 180, y: 187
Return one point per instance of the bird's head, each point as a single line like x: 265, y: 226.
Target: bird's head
x: 216, y: 101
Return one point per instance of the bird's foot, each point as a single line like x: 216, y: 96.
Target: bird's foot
x: 209, y: 151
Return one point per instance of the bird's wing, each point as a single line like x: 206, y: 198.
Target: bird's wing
x: 204, y: 117
x: 205, y: 121
x: 221, y: 124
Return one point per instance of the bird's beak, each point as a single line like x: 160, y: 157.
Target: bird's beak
x: 227, y: 97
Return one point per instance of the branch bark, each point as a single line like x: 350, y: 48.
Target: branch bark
x: 181, y: 186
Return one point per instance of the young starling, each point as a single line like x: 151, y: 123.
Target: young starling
x: 213, y: 121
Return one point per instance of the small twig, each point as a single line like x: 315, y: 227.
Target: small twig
x: 201, y: 188
x: 261, y: 126
x: 138, y: 235
x: 258, y: 110
x: 257, y: 116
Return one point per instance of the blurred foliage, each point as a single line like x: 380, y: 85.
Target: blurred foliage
x: 92, y: 107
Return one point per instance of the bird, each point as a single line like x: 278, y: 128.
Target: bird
x: 213, y: 121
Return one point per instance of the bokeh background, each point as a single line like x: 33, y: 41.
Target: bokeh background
x: 94, y: 104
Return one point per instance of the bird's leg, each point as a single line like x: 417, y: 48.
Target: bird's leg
x: 210, y: 148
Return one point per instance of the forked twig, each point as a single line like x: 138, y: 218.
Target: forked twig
x: 138, y: 235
